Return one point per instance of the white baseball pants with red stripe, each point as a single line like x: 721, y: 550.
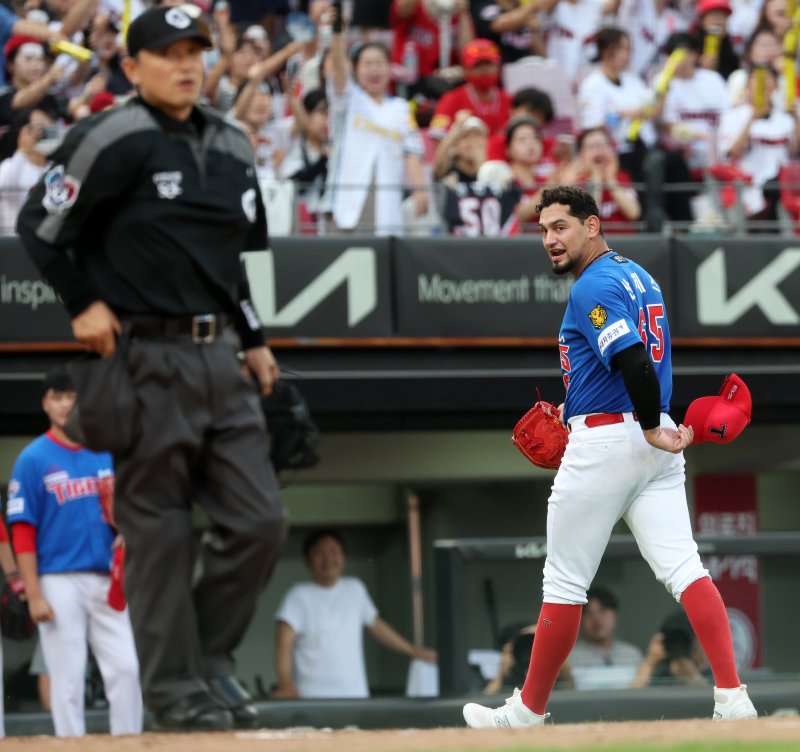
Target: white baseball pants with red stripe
x: 610, y: 473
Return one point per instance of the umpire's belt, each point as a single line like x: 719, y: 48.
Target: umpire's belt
x: 202, y: 329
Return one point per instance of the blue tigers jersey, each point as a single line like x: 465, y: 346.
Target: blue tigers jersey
x: 613, y: 305
x: 57, y: 489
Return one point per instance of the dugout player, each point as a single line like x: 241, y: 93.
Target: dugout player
x: 138, y: 225
x: 63, y: 540
x: 624, y: 460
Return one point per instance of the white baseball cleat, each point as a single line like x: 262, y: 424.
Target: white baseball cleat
x: 733, y: 704
x: 512, y: 715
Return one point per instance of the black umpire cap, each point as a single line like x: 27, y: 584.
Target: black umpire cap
x: 160, y: 27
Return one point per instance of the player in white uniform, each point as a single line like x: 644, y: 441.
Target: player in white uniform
x: 624, y: 460
x: 63, y: 542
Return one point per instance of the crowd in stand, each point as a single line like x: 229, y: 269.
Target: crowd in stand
x: 448, y: 116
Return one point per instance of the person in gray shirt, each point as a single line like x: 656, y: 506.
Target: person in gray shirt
x: 597, y: 644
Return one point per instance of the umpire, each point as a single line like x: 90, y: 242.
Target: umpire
x: 138, y: 225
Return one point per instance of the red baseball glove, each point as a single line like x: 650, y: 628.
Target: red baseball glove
x: 541, y: 436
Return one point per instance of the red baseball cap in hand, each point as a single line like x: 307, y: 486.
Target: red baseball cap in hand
x: 720, y: 419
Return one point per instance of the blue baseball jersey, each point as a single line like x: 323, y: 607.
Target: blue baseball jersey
x: 57, y: 488
x: 613, y: 305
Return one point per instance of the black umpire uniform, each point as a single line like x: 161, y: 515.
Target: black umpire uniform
x: 149, y: 215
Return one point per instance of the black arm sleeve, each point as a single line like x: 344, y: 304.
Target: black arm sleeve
x: 74, y: 289
x: 246, y: 320
x: 641, y: 381
x: 95, y: 165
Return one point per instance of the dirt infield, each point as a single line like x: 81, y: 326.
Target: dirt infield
x: 751, y: 734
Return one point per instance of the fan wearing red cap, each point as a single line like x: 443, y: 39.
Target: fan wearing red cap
x: 481, y: 95
x: 29, y: 79
x: 711, y: 35
x: 13, y: 26
x: 720, y: 419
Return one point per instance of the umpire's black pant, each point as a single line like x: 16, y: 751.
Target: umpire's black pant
x: 202, y: 439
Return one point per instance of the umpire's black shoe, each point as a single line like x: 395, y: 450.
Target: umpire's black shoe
x: 232, y: 696
x: 198, y: 711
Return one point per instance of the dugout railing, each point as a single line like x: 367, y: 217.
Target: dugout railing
x: 452, y: 557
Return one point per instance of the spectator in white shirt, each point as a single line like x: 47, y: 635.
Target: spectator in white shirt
x: 693, y: 105
x: 759, y: 138
x: 650, y: 23
x: 36, y: 138
x: 763, y: 48
x: 306, y: 160
x: 613, y: 97
x: 319, y: 649
x: 570, y: 29
x: 743, y: 22
x: 375, y: 144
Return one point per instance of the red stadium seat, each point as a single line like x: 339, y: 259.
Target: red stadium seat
x: 727, y: 174
x: 789, y: 179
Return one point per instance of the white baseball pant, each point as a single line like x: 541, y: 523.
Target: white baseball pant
x: 80, y: 603
x: 610, y: 473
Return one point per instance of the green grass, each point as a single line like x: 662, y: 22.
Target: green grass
x: 723, y: 745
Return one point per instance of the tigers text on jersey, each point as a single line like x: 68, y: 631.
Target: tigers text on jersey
x: 57, y: 489
x: 613, y: 305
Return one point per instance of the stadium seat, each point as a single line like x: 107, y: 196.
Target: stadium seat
x: 724, y: 182
x: 278, y: 197
x: 789, y: 179
x: 727, y: 174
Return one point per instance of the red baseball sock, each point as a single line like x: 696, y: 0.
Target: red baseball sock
x: 556, y: 633
x: 706, y: 612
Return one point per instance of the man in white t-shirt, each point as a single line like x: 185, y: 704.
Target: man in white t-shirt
x: 319, y: 646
